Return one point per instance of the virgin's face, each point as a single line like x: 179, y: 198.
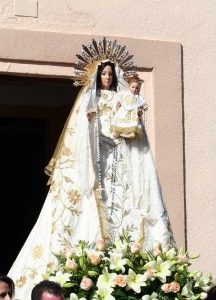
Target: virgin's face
x: 106, y: 78
x: 4, y: 291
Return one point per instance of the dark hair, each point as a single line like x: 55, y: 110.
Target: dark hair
x: 50, y: 287
x: 114, y: 79
x: 212, y: 293
x: 10, y: 283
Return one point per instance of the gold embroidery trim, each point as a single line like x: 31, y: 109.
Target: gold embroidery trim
x: 104, y: 224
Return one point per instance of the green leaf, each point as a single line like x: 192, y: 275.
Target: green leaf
x: 176, y: 276
x: 132, y: 298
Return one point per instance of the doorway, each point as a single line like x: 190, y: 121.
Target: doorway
x: 32, y: 114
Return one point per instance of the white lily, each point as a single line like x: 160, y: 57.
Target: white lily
x: 95, y: 297
x: 161, y: 268
x: 121, y: 246
x: 73, y: 296
x: 203, y: 295
x: 106, y: 279
x: 60, y: 277
x: 152, y: 297
x: 170, y: 254
x: 202, y: 282
x: 117, y: 262
x: 135, y: 281
x: 105, y: 293
x: 187, y: 290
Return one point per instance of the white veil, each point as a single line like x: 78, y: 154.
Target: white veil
x: 74, y: 148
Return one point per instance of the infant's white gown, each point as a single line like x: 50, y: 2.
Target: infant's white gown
x: 99, y: 187
x: 126, y: 122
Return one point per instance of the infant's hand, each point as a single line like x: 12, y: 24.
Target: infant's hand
x: 90, y: 113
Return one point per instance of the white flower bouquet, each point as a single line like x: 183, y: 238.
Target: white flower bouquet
x: 124, y: 271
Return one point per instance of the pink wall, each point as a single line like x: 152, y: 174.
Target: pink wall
x: 187, y: 23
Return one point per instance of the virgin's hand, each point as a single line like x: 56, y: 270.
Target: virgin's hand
x: 140, y: 112
x: 118, y: 104
x: 90, y: 113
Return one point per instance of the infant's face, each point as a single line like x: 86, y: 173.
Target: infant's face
x: 134, y: 87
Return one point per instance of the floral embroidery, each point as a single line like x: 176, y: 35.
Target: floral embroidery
x: 74, y: 196
x: 51, y: 267
x: 37, y: 252
x: 21, y: 282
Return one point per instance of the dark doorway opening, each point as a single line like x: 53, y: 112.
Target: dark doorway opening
x: 32, y: 114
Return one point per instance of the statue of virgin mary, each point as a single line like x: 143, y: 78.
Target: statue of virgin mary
x: 100, y: 185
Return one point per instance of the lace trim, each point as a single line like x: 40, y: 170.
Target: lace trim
x: 103, y: 220
x: 126, y: 130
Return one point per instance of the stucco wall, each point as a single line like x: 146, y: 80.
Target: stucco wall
x: 191, y: 23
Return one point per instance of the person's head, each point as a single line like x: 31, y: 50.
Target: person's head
x: 211, y: 293
x: 106, y: 76
x: 6, y: 287
x: 47, y: 290
x: 134, y: 86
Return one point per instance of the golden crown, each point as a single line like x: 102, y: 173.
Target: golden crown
x: 100, y: 50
